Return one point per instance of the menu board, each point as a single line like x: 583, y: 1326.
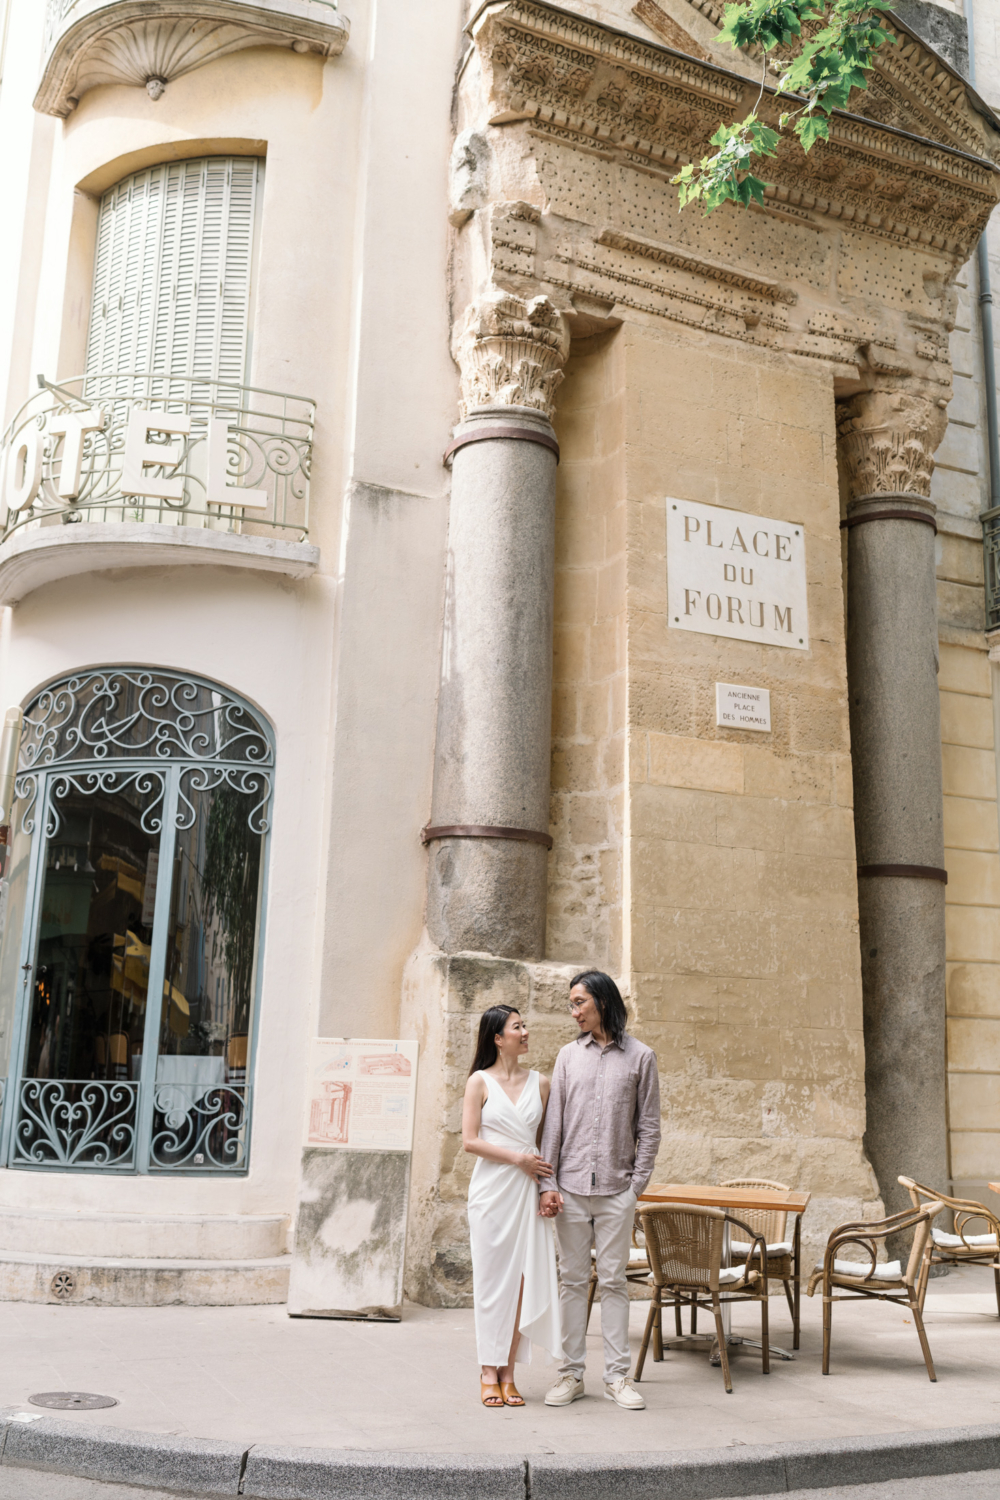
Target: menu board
x: 361, y: 1094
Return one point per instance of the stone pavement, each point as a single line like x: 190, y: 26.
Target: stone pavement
x: 253, y: 1375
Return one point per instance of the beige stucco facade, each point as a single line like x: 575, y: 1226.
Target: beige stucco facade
x: 403, y: 280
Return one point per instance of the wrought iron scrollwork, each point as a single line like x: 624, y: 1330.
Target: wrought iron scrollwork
x: 268, y: 452
x: 87, y: 783
x: 253, y: 783
x: 129, y: 711
x: 62, y: 1123
x: 991, y: 569
x: 26, y: 792
x: 199, y: 1128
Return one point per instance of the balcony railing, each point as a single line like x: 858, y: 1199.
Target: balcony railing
x: 164, y: 449
x: 92, y: 42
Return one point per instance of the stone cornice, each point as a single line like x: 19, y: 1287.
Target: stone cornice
x: 645, y: 105
x: 683, y: 260
x: 149, y: 42
x: 913, y: 85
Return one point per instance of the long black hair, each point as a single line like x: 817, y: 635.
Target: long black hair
x: 491, y: 1023
x: 607, y: 997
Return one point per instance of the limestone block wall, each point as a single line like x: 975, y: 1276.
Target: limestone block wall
x: 589, y: 679
x: 442, y: 1000
x: 969, y: 764
x: 743, y: 945
x: 973, y: 918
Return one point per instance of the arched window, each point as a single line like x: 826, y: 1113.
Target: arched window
x: 129, y: 967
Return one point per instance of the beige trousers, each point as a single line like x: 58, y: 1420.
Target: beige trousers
x: 605, y: 1223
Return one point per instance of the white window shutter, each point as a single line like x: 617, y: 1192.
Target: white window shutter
x: 172, y: 271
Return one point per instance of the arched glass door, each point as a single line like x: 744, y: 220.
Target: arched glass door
x: 129, y: 965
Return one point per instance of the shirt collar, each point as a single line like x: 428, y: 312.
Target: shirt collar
x: 587, y: 1040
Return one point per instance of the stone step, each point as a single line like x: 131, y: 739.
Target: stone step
x: 116, y: 1281
x: 127, y: 1236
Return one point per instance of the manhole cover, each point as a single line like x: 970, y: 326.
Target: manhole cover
x: 63, y: 1285
x: 71, y: 1400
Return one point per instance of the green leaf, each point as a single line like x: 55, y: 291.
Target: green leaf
x: 812, y: 128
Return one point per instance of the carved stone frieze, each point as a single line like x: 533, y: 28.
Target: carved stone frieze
x: 887, y: 441
x: 645, y: 106
x: 94, y: 42
x: 666, y: 28
x: 910, y: 87
x: 511, y: 352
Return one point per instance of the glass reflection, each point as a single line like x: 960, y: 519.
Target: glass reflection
x: 96, y: 928
x: 212, y: 940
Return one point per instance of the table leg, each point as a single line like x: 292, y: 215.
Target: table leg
x: 733, y: 1340
x: 797, y: 1293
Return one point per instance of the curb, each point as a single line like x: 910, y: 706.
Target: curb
x: 132, y: 1462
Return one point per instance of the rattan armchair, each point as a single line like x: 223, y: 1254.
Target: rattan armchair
x: 888, y: 1282
x: 636, y: 1270
x: 772, y: 1225
x: 685, y: 1248
x: 960, y: 1248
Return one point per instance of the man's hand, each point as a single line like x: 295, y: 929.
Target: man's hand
x: 550, y: 1204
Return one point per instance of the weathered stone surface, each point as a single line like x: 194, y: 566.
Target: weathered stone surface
x: 494, y: 709
x: 349, y: 1234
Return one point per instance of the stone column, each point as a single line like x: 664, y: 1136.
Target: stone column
x: 488, y: 831
x: 886, y: 444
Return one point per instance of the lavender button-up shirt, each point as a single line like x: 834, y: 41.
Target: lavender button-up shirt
x: 602, y: 1125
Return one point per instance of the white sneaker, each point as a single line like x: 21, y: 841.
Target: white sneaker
x: 625, y: 1394
x: 565, y: 1390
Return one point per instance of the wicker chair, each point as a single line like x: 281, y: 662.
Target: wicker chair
x: 960, y: 1248
x: 685, y: 1244
x: 888, y: 1282
x: 636, y: 1270
x: 772, y: 1225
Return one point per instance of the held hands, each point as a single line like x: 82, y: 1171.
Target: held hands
x: 533, y: 1166
x: 550, y: 1204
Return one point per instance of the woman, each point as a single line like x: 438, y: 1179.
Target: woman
x: 515, y: 1289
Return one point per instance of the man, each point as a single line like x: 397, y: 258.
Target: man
x: 602, y: 1130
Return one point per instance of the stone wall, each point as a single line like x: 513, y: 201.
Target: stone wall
x: 744, y: 965
x: 589, y: 679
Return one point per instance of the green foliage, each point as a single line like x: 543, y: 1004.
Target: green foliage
x: 829, y: 64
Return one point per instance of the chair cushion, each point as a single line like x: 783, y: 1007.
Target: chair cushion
x: 727, y: 1276
x: 971, y: 1241
x: 743, y: 1247
x: 889, y: 1270
x: 637, y: 1255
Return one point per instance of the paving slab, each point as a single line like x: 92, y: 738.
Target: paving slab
x: 252, y: 1376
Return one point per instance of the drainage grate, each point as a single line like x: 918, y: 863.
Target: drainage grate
x: 71, y: 1400
x: 63, y: 1285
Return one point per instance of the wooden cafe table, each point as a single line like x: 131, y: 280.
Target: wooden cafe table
x: 733, y: 1200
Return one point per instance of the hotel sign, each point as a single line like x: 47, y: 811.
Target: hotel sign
x: 735, y: 574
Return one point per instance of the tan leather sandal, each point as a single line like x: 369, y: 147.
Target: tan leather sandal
x: 511, y: 1395
x: 491, y: 1395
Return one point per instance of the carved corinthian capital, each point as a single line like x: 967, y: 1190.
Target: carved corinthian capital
x: 511, y: 352
x: 887, y: 442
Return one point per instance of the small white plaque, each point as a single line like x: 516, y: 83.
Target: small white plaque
x: 734, y: 574
x: 738, y: 707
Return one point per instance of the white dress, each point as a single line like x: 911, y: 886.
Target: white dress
x: 509, y: 1240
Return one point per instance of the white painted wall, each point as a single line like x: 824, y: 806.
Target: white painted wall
x: 351, y: 309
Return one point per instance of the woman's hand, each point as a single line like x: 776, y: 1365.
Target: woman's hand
x: 533, y: 1166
